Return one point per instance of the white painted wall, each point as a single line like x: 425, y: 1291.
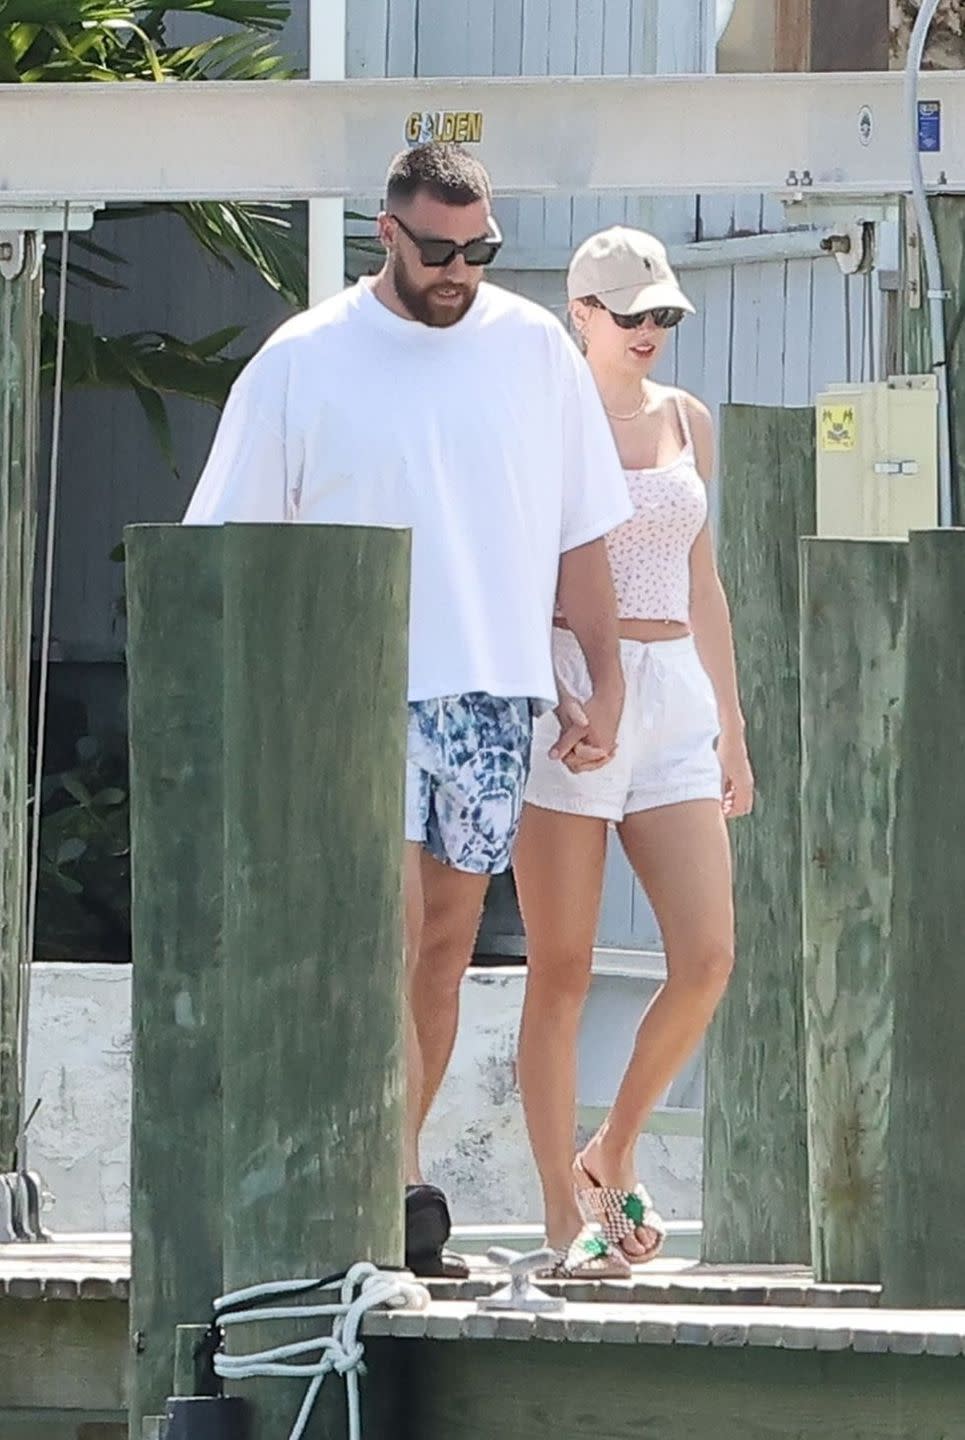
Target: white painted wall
x: 476, y: 1146
x: 80, y: 1066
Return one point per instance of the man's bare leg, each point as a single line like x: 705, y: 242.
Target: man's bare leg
x: 452, y: 903
x: 412, y: 893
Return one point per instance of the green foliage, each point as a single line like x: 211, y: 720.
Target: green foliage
x: 112, y: 41
x: 83, y: 902
x: 151, y: 364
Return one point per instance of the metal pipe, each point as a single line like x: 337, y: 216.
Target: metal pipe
x: 696, y: 255
x: 723, y: 11
x: 749, y: 249
x: 33, y: 873
x: 933, y: 265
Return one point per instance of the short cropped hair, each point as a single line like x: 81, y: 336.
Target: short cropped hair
x: 446, y: 171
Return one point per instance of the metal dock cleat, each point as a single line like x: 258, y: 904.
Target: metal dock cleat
x: 521, y: 1293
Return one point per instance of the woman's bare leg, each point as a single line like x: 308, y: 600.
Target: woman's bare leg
x: 559, y: 880
x: 681, y: 856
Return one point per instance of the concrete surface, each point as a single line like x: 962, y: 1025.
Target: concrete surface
x: 476, y: 1145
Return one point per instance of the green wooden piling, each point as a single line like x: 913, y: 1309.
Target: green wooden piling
x: 755, y: 1133
x: 924, y: 1210
x: 315, y: 684
x: 175, y: 697
x: 948, y: 217
x: 20, y: 308
x: 852, y: 679
x: 702, y: 1389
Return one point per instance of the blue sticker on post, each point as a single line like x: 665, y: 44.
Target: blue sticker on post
x: 929, y: 126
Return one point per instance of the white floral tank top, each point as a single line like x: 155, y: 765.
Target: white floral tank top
x: 650, y: 552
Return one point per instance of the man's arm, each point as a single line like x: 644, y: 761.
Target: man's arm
x: 588, y: 601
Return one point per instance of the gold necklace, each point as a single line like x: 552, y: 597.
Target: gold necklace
x: 613, y: 416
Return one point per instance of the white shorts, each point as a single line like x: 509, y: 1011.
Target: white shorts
x: 665, y: 745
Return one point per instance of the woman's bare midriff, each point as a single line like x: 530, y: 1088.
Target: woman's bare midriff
x: 646, y: 631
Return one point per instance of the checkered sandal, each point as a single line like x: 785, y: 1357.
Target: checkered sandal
x: 590, y: 1257
x: 619, y: 1213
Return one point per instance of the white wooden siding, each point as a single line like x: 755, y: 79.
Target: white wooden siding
x: 536, y: 37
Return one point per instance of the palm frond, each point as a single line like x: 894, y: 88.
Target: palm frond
x: 152, y: 359
x: 9, y: 74
x: 110, y: 42
x: 62, y: 12
x: 243, y: 56
x: 261, y: 236
x: 151, y: 364
x: 256, y: 14
x: 267, y: 236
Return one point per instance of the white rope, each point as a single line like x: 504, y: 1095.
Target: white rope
x: 44, y: 666
x: 364, y: 1288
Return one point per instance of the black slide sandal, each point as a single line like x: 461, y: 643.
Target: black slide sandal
x: 428, y: 1226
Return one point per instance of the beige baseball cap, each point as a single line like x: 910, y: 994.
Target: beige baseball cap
x: 627, y: 270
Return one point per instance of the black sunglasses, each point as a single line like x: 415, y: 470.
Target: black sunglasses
x: 436, y: 254
x: 665, y: 317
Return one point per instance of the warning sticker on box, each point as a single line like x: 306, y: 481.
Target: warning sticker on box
x: 838, y: 427
x: 930, y: 126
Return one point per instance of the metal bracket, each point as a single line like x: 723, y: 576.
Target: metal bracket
x: 21, y: 1199
x: 521, y: 1293
x: 50, y: 218
x: 833, y: 212
x: 22, y: 229
x: 853, y: 247
x: 21, y: 252
x: 13, y: 254
x: 913, y: 261
x: 912, y: 382
x: 795, y: 182
x: 31, y: 1204
x: 7, y: 1232
x: 896, y: 467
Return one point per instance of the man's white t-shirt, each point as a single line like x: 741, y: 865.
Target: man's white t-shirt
x: 487, y: 438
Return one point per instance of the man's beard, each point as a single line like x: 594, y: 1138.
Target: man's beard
x: 422, y: 304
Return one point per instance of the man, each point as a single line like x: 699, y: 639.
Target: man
x: 428, y: 399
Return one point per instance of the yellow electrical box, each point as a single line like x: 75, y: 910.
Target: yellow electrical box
x: 877, y: 465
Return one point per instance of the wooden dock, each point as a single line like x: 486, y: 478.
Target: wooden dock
x: 681, y: 1350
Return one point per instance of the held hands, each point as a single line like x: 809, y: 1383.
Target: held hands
x: 738, y: 777
x: 588, y: 731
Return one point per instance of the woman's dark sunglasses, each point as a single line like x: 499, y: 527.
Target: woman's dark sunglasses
x: 436, y: 254
x: 665, y: 317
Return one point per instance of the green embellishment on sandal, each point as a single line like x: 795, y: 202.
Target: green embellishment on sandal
x: 634, y: 1209
x: 595, y: 1247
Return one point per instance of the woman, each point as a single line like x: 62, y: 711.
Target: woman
x: 680, y: 768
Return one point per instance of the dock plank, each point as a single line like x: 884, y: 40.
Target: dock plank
x: 867, y: 1331
x: 717, y: 1345
x: 97, y: 1267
